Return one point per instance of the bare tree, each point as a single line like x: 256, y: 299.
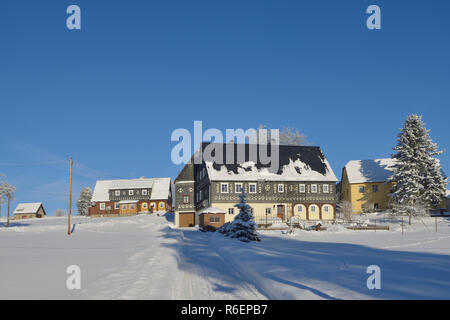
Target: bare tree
x: 292, y: 137
x: 344, y: 208
x: 417, y: 209
x: 368, y: 207
x: 288, y: 136
x: 7, y: 191
x: 60, y: 213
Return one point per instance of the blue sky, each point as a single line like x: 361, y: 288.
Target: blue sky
x: 111, y: 94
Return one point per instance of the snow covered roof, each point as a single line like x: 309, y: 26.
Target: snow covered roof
x: 211, y: 210
x: 362, y: 171
x: 130, y: 184
x: 127, y: 201
x: 296, y: 163
x: 28, y: 207
x: 160, y: 187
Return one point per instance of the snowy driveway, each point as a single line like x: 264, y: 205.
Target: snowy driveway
x: 145, y: 257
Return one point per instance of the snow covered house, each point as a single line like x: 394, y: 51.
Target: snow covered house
x: 29, y: 210
x: 131, y: 196
x: 303, y: 185
x: 365, y: 183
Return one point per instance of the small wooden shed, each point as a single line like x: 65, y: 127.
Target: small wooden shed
x: 211, y: 217
x: 29, y: 210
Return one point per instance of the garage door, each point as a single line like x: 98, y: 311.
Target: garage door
x: 187, y: 219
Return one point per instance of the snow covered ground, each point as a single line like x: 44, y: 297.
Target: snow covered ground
x: 146, y: 257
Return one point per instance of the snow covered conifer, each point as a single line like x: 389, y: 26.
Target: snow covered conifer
x: 84, y: 201
x: 417, y: 174
x: 243, y: 226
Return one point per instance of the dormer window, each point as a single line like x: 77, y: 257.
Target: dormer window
x: 314, y: 188
x: 117, y: 193
x: 130, y: 192
x: 144, y: 192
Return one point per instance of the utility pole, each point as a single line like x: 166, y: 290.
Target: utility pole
x: 70, y: 197
x: 9, y: 200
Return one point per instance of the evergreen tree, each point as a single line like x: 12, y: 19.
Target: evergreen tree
x: 243, y: 226
x: 417, y: 174
x: 84, y: 201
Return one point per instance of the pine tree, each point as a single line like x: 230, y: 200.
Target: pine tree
x: 417, y: 174
x: 84, y: 201
x: 243, y: 226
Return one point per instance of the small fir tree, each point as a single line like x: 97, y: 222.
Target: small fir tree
x: 243, y: 226
x: 84, y: 201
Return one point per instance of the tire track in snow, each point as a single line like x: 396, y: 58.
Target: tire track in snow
x: 207, y: 275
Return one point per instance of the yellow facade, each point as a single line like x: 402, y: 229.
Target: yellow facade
x: 358, y: 194
x: 128, y: 208
x: 259, y: 210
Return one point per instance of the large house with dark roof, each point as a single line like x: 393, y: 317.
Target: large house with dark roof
x: 131, y: 196
x: 302, y: 185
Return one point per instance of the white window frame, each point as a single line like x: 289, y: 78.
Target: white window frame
x: 282, y: 188
x: 116, y: 206
x: 221, y: 187
x: 131, y: 192
x: 161, y: 205
x: 186, y: 197
x: 300, y: 187
x: 326, y: 188
x: 144, y: 192
x: 117, y: 193
x: 312, y: 188
x: 250, y: 187
x: 268, y: 210
x: 326, y: 208
x: 144, y: 205
x: 238, y: 184
x: 102, y: 206
x: 230, y: 210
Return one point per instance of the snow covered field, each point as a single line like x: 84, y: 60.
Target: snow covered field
x: 145, y: 257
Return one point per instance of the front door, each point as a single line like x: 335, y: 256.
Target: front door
x: 280, y: 211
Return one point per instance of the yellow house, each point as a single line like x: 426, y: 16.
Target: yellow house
x: 365, y: 183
